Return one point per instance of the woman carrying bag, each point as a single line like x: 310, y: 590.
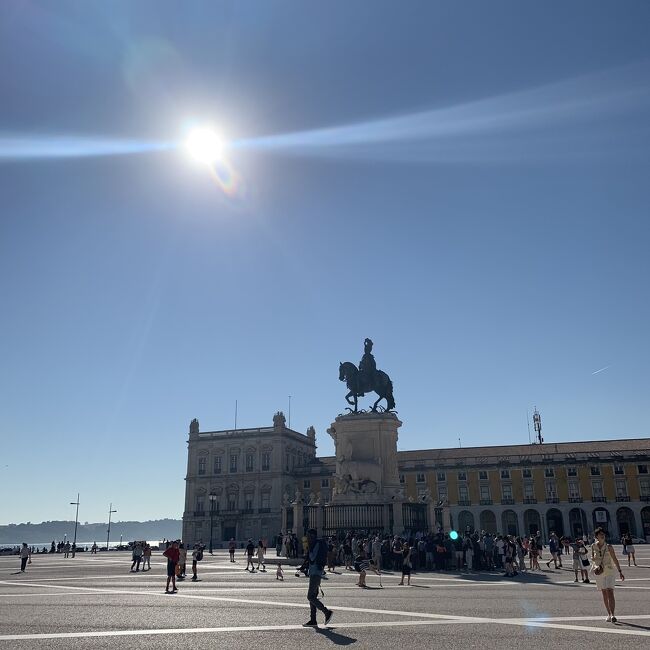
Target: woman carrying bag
x: 604, y: 559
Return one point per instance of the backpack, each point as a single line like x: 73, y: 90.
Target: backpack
x: 199, y: 555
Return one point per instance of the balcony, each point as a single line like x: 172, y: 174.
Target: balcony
x: 529, y: 500
x: 199, y: 513
x: 575, y: 499
x: 552, y: 500
x: 507, y: 501
x: 486, y: 502
x: 622, y: 498
x: 599, y: 499
x: 464, y: 502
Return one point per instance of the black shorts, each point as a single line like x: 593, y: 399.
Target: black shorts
x: 171, y: 568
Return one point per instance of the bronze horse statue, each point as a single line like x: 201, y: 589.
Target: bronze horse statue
x: 358, y: 384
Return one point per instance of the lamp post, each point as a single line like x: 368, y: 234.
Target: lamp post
x: 108, y: 532
x: 213, y: 501
x: 76, y: 521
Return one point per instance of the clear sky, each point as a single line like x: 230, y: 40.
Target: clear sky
x: 479, y: 208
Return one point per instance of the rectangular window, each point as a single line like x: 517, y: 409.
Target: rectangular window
x: 529, y: 491
x: 306, y: 484
x: 266, y: 500
x: 442, y: 492
x: 526, y: 472
x: 551, y: 489
x: 441, y: 476
x: 324, y: 482
x: 597, y: 489
x: 572, y: 471
x: 483, y: 475
x: 200, y: 504
x: 549, y: 472
x: 594, y: 470
x: 401, y: 479
x: 463, y: 493
x: 202, y: 465
x: 619, y: 470
x: 643, y: 469
x: 621, y: 487
x: 217, y: 465
x: 233, y: 463
x: 505, y: 474
x: 485, y: 492
x: 506, y: 491
x: 250, y: 462
x: 574, y: 490
x: 232, y: 502
x: 214, y: 503
x: 419, y: 478
x: 462, y: 476
x: 644, y: 486
x: 249, y: 502
x: 266, y: 461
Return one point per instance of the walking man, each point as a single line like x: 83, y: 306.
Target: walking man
x: 197, y: 556
x: 25, y: 556
x: 316, y: 558
x: 250, y: 551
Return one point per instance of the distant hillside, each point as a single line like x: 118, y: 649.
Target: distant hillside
x: 55, y: 530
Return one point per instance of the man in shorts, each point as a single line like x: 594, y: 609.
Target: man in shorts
x: 250, y: 552
x: 172, y: 556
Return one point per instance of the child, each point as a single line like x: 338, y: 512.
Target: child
x: 278, y: 573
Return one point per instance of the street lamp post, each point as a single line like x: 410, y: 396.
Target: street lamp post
x: 76, y: 521
x: 213, y: 501
x: 108, y: 532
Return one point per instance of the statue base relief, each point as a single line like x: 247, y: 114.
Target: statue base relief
x: 366, y: 459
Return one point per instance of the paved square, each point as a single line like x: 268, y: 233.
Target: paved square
x: 94, y: 602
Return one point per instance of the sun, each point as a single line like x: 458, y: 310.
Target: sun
x: 204, y: 145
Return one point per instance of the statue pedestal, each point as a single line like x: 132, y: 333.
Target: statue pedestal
x: 366, y: 458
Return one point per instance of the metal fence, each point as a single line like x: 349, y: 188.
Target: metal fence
x: 341, y: 518
x: 415, y: 516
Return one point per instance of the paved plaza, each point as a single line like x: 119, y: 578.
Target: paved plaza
x: 94, y: 602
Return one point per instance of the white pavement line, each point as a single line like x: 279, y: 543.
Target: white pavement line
x: 577, y: 628
x: 207, y: 630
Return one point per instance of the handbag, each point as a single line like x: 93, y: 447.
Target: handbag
x: 624, y: 551
x: 598, y: 570
x: 585, y: 561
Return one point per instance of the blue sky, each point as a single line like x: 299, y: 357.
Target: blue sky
x: 480, y: 210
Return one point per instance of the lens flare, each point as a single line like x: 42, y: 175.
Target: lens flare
x: 204, y: 145
x: 453, y: 535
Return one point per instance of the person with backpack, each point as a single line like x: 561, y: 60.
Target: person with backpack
x: 249, y: 551
x: 316, y: 558
x: 197, y: 556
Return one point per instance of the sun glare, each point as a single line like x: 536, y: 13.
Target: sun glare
x: 204, y: 145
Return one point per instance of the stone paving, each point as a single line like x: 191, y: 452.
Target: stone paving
x: 93, y: 601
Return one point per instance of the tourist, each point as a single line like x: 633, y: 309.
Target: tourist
x: 509, y: 554
x: 182, y: 562
x: 604, y: 559
x: 249, y: 551
x: 316, y: 557
x: 521, y: 554
x: 25, y: 557
x: 628, y: 549
x: 468, y: 547
x: 172, y: 554
x: 146, y: 557
x: 278, y: 545
x: 580, y: 560
x: 533, y: 551
x: 93, y: 549
x: 137, y: 557
x: 66, y: 549
x: 197, y: 556
x: 74, y: 549
x: 231, y: 549
x: 331, y: 556
x: 376, y: 551
x: 554, y: 548
x: 406, y: 564
x: 261, y: 549
x: 347, y: 554
x: 279, y: 574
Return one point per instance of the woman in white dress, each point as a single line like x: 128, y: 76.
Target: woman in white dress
x: 604, y: 560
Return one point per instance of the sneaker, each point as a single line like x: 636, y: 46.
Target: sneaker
x: 310, y: 624
x: 587, y: 581
x: 576, y: 580
x: 328, y: 616
x: 614, y: 619
x: 609, y: 619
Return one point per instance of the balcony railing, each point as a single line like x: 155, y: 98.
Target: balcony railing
x: 622, y: 498
x: 507, y: 501
x: 552, y: 500
x: 529, y: 500
x: 486, y: 502
x: 464, y: 502
x: 575, y: 499
x: 599, y: 499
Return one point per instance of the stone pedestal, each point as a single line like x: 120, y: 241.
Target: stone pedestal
x: 366, y: 458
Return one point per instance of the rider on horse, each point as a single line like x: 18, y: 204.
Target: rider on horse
x: 367, y: 370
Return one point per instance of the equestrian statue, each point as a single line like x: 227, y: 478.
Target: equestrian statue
x: 365, y: 379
